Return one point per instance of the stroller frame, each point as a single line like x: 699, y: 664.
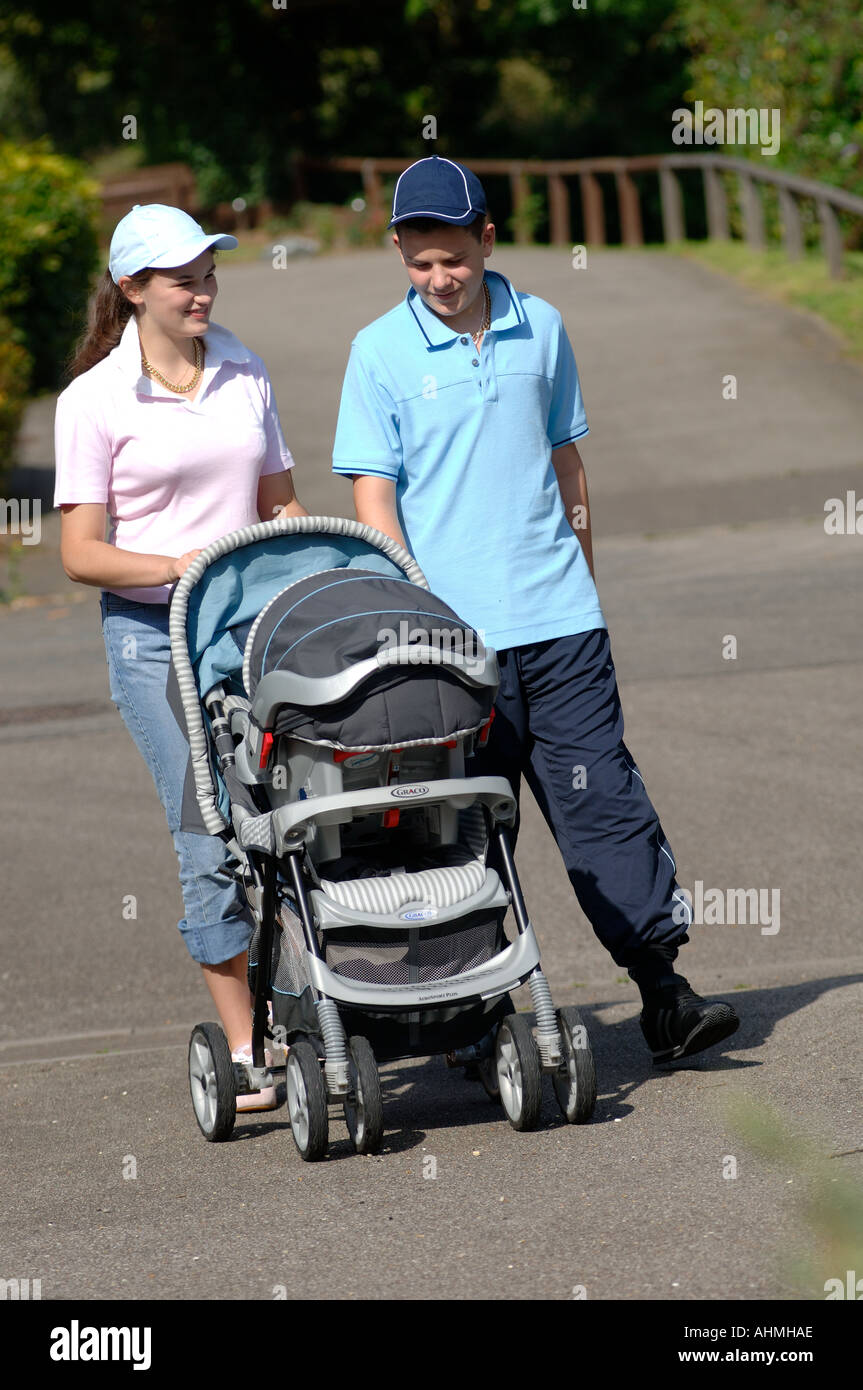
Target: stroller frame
x: 273, y: 863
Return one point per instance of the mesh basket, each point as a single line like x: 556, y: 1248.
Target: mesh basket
x: 289, y: 970
x: 417, y: 955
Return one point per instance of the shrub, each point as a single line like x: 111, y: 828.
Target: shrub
x: 48, y: 253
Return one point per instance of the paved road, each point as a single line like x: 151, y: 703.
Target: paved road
x: 708, y: 520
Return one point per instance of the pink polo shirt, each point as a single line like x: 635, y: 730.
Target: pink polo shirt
x: 173, y: 474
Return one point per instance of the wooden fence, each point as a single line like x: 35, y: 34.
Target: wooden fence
x: 173, y: 184
x: 790, y: 191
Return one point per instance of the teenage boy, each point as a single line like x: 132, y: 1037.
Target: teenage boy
x: 459, y: 417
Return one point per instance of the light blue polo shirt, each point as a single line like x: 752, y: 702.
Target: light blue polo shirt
x: 468, y: 438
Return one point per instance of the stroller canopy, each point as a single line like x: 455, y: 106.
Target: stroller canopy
x: 382, y: 663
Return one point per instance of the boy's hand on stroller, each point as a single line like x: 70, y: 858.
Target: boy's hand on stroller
x: 181, y: 565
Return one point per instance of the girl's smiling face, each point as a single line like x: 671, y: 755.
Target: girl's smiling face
x: 176, y: 302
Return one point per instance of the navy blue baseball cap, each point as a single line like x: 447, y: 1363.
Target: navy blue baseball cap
x: 438, y: 188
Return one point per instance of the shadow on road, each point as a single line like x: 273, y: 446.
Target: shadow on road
x: 445, y: 1099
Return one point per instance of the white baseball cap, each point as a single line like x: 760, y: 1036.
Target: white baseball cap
x: 155, y: 236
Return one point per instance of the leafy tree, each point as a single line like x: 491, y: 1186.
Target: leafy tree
x: 223, y: 81
x: 238, y: 87
x: 804, y: 58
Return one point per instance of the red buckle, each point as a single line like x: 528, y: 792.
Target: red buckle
x: 391, y: 819
x: 266, y: 750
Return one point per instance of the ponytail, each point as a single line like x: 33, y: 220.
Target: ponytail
x: 108, y: 312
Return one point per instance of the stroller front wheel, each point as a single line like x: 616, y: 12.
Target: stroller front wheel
x: 212, y: 1082
x: 575, y: 1079
x: 307, y: 1101
x: 519, y: 1072
x: 364, y: 1107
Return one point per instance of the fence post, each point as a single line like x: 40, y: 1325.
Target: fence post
x: 792, y: 227
x: 560, y: 229
x: 717, y: 204
x: 831, y: 238
x: 372, y: 185
x: 592, y: 209
x: 673, y: 225
x: 630, y: 209
x: 753, y: 213
x: 520, y: 194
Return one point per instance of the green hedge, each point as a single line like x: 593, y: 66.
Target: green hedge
x: 48, y: 254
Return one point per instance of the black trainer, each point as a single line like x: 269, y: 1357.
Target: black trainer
x: 676, y: 1022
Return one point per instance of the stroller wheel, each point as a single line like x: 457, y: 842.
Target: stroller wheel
x: 307, y: 1101
x: 364, y: 1107
x: 211, y: 1082
x: 519, y: 1072
x: 575, y: 1078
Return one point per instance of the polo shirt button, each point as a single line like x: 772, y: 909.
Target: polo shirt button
x: 464, y: 341
x: 475, y: 362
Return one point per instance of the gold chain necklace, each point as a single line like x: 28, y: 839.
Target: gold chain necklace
x: 180, y: 390
x: 486, y: 316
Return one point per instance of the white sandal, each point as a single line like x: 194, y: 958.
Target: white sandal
x: 255, y: 1087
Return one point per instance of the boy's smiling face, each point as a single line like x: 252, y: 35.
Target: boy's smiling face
x: 445, y: 267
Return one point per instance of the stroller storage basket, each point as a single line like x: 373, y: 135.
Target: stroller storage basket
x: 417, y: 955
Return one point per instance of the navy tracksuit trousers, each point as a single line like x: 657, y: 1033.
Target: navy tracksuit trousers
x: 559, y: 722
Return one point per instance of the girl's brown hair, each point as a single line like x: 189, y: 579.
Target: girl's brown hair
x: 108, y: 312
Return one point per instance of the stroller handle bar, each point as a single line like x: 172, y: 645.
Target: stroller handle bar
x: 292, y: 526
x: 336, y: 526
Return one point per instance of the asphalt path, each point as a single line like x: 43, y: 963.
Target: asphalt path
x: 708, y: 524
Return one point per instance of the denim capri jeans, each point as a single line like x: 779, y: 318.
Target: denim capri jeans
x: 217, y: 922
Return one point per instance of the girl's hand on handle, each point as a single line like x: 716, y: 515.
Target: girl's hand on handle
x: 180, y: 566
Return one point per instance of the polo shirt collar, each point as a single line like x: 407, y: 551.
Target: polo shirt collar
x: 221, y: 346
x: 506, y: 312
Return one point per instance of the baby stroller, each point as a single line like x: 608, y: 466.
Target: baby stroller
x: 330, y: 701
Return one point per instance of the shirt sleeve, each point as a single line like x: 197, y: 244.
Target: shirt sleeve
x: 83, y: 451
x: 368, y: 439
x: 278, y: 457
x: 566, y: 417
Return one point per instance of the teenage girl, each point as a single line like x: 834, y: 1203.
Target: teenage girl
x: 169, y: 432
